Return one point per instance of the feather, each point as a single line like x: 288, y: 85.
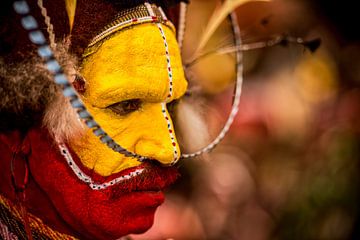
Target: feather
x: 217, y: 17
x: 70, y: 10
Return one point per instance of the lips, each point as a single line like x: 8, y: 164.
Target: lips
x: 154, y: 178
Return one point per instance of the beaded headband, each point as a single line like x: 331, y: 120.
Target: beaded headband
x: 128, y: 18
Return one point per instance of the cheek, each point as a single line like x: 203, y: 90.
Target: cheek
x: 144, y: 132
x: 93, y: 213
x: 93, y: 154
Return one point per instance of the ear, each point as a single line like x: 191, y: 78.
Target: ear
x: 79, y: 84
x: 10, y: 143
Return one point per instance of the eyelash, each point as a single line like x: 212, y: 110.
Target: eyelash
x: 125, y: 107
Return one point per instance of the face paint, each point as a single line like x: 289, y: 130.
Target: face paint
x: 127, y: 89
x: 131, y: 67
x: 126, y: 207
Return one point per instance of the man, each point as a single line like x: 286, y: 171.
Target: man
x: 58, y: 180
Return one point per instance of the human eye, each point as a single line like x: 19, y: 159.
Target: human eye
x: 125, y: 107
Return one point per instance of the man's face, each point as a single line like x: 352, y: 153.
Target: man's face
x: 126, y: 83
x: 127, y: 87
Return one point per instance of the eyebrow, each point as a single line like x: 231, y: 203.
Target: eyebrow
x: 120, y: 91
x: 129, y: 88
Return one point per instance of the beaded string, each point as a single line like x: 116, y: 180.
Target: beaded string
x: 170, y: 77
x: 87, y: 179
x: 236, y: 100
x: 121, y: 25
x: 182, y: 24
x: 30, y: 24
x: 50, y: 27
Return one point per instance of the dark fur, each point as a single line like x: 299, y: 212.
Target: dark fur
x: 25, y: 90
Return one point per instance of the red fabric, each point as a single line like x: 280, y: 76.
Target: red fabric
x: 63, y: 201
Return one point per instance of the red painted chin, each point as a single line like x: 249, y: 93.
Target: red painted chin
x: 111, y: 218
x: 124, y: 208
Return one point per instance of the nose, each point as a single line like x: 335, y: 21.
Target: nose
x: 157, y: 139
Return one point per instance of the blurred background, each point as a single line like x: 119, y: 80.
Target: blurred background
x: 289, y: 167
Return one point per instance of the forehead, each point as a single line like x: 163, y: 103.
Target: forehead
x: 132, y: 64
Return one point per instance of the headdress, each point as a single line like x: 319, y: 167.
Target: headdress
x: 139, y: 14
x: 143, y: 13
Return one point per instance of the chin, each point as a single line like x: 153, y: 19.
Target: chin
x: 127, y: 207
x: 132, y: 213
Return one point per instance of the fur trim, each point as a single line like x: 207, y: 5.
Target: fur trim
x: 29, y: 97
x: 64, y: 124
x: 25, y: 91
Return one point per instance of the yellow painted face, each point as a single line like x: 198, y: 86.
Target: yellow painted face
x: 127, y: 81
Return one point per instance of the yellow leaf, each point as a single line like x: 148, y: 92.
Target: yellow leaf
x: 217, y: 17
x: 70, y: 9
